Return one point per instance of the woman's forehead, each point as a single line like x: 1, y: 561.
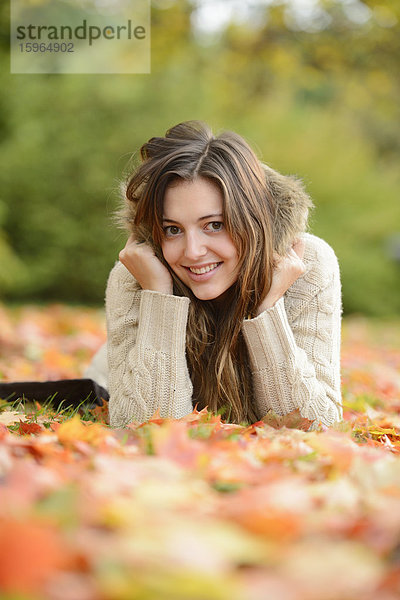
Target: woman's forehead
x: 192, y: 197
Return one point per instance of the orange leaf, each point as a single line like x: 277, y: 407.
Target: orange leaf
x: 101, y: 412
x: 29, y: 554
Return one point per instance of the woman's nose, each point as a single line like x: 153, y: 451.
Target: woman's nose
x: 194, y: 246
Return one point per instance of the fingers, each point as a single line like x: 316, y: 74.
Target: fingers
x: 133, y: 240
x: 140, y: 260
x: 128, y: 252
x: 295, y: 253
x: 298, y: 247
x: 292, y: 262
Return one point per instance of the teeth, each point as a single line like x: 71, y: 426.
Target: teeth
x: 204, y: 269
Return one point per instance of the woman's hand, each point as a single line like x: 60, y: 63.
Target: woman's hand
x: 288, y: 268
x: 147, y: 269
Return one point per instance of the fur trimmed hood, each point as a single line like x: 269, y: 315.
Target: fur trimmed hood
x: 292, y: 205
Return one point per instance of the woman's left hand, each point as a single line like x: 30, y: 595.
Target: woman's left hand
x: 287, y: 270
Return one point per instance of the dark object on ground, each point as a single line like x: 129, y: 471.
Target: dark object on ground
x: 72, y: 392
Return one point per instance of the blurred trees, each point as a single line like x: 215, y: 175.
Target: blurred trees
x: 316, y: 94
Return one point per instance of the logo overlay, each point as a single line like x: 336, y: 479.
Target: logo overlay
x: 80, y: 36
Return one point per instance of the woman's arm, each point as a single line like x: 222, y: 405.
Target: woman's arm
x: 146, y: 333
x: 294, y: 346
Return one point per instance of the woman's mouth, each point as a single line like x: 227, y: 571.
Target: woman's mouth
x: 202, y: 273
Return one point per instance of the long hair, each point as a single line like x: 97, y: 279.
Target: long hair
x: 258, y: 223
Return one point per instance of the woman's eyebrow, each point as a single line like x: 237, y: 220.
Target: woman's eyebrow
x: 165, y: 220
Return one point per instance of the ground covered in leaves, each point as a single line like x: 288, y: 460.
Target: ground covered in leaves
x: 196, y: 509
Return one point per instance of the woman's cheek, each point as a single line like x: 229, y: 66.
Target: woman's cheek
x: 168, y: 252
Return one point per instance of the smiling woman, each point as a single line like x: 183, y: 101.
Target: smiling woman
x: 198, y: 249
x: 220, y: 298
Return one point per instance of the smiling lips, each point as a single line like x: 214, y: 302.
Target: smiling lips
x: 205, y: 269
x: 199, y: 274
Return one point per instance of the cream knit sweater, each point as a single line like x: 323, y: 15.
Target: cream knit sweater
x: 294, y: 347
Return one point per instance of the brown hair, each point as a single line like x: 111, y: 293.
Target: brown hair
x: 262, y: 211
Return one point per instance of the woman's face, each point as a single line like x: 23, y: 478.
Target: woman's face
x: 195, y: 243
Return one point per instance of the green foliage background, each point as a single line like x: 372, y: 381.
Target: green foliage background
x: 322, y: 102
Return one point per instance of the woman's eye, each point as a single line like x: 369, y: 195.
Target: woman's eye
x: 215, y: 226
x: 171, y: 230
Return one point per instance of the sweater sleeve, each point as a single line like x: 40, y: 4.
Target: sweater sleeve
x: 146, y: 333
x: 294, y: 346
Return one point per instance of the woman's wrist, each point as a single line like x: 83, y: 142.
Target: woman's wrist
x: 162, y: 289
x: 268, y: 302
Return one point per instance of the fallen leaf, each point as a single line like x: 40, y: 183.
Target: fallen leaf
x: 292, y: 420
x: 9, y: 417
x: 28, y: 428
x: 75, y: 430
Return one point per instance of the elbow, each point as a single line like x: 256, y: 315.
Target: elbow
x: 323, y: 406
x: 327, y: 415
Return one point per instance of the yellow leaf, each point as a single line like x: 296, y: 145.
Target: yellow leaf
x: 75, y: 430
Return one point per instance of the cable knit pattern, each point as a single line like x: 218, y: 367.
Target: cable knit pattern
x: 294, y: 347
x: 146, y: 334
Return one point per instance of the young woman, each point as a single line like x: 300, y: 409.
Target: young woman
x: 219, y: 297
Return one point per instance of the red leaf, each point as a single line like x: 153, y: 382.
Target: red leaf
x: 28, y: 428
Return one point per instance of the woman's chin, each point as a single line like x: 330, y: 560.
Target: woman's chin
x: 216, y: 297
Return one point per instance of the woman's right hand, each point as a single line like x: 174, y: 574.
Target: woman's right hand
x: 147, y: 269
